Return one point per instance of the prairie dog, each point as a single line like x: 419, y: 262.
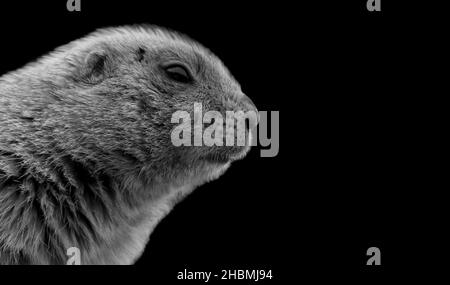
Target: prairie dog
x: 86, y: 158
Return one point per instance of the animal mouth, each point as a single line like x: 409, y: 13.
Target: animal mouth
x: 217, y: 158
x: 221, y: 156
x: 227, y: 154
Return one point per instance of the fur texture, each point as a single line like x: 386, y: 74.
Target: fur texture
x: 86, y: 158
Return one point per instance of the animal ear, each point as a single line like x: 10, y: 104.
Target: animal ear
x: 96, y: 66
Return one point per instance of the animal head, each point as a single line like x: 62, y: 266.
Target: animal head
x: 112, y: 95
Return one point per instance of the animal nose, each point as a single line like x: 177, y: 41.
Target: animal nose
x: 248, y: 104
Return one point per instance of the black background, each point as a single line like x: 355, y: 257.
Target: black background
x: 341, y: 181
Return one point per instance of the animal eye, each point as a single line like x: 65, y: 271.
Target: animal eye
x: 178, y: 73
